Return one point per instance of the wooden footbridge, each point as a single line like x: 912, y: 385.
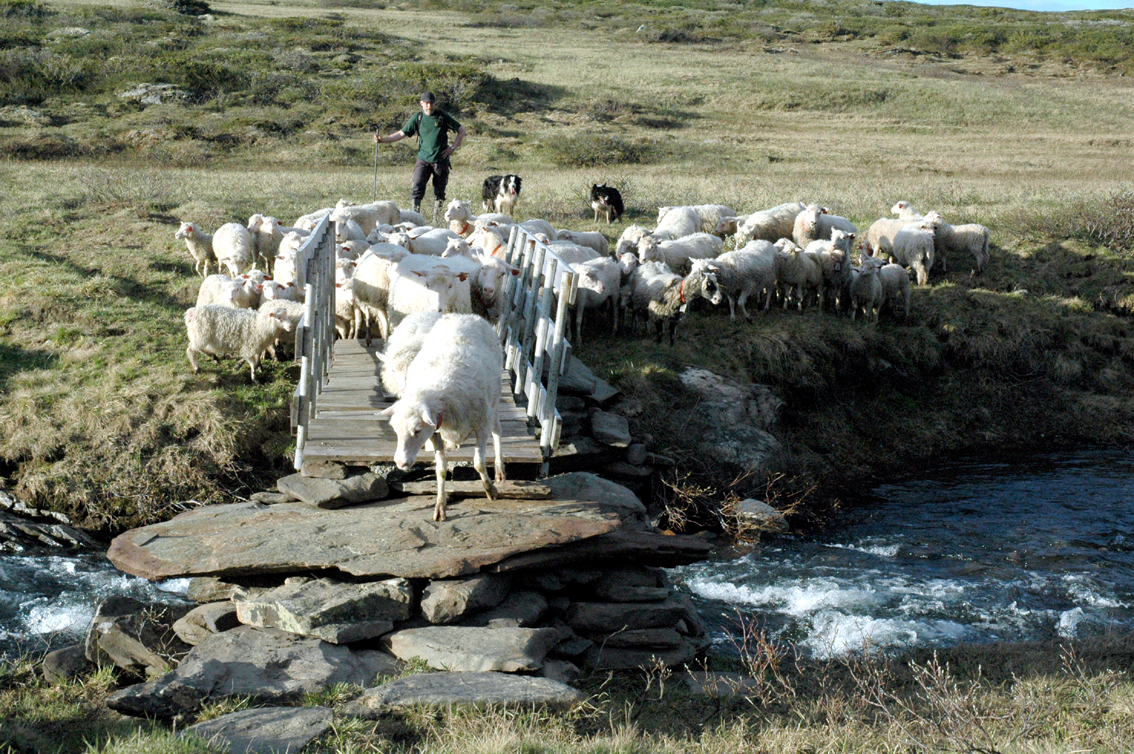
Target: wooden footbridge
x: 335, y: 405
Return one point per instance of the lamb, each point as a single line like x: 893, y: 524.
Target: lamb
x: 239, y: 292
x: 200, y: 245
x: 401, y: 349
x: 799, y: 271
x: 223, y: 331
x: 814, y: 223
x: 600, y: 280
x: 913, y: 247
x: 710, y: 214
x: 767, y: 225
x: 452, y: 392
x: 462, y: 220
x: 232, y: 244
x: 744, y: 272
x: 653, y: 288
x: 905, y: 210
x: 268, y: 234
x: 677, y: 223
x: 594, y: 239
x: 866, y: 291
x: 678, y: 253
x: 895, y: 288
x: 367, y: 215
x: 972, y: 238
x: 834, y: 257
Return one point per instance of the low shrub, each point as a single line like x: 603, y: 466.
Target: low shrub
x: 597, y: 150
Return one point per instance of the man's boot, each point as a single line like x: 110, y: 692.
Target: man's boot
x: 417, y: 207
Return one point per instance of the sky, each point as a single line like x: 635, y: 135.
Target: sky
x: 1042, y: 5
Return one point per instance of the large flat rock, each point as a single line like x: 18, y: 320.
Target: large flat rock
x: 377, y: 540
x: 463, y: 689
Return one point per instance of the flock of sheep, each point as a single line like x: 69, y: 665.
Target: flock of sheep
x: 433, y: 292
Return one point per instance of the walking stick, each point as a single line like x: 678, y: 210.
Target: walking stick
x: 374, y: 198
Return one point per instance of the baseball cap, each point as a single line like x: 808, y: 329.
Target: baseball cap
x: 428, y: 97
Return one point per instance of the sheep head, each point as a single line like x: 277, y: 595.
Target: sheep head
x: 414, y: 423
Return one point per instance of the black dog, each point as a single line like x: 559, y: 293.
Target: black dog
x: 608, y: 201
x: 501, y: 192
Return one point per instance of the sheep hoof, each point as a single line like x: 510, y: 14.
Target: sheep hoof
x: 491, y: 491
x: 500, y: 475
x: 439, y: 512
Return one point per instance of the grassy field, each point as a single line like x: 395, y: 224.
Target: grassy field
x: 101, y: 418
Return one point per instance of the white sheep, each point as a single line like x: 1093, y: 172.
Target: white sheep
x: 905, y: 210
x: 352, y: 249
x: 652, y: 288
x: 835, y: 257
x: 420, y: 286
x: 537, y: 225
x: 311, y: 219
x: 200, y: 245
x: 896, y: 287
x: 971, y: 238
x: 913, y: 247
x: 677, y: 223
x: 594, y: 239
x: 711, y: 215
x: 452, y: 391
x: 348, y: 230
x: 431, y: 242
x: 572, y: 253
x: 401, y: 349
x: 232, y: 244
x: 866, y: 291
x: 745, y: 272
x: 268, y: 234
x: 629, y: 239
x: 678, y: 252
x: 292, y: 310
x: 768, y: 224
x: 463, y: 220
x: 880, y: 234
x: 223, y: 331
x: 600, y: 280
x: 238, y: 292
x: 274, y: 290
x: 367, y: 215
x: 371, y: 286
x: 815, y: 223
x: 408, y: 216
x: 798, y: 271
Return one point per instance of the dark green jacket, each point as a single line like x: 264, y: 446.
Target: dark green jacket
x: 432, y: 132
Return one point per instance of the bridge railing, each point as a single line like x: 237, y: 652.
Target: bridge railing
x: 315, y: 335
x: 532, y: 328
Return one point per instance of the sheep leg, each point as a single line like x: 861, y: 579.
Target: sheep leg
x: 732, y: 308
x: 442, y: 470
x: 252, y: 363
x: 479, y: 464
x: 498, y: 457
x: 740, y: 301
x: 192, y: 354
x: 578, y: 323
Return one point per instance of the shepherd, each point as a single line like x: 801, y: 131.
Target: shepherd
x: 431, y: 126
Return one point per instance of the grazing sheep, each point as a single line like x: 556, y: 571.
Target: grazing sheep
x: 652, y: 288
x: 200, y: 245
x: 767, y: 224
x: 905, y: 210
x: 677, y: 253
x: 600, y: 280
x: 267, y: 235
x: 913, y: 248
x: 896, y: 287
x: 416, y: 219
x: 744, y: 272
x: 238, y: 292
x: 401, y: 349
x: 232, y: 243
x: 452, y: 391
x: 798, y: 271
x: 367, y: 215
x: 866, y: 291
x: 971, y: 238
x: 223, y: 331
x: 815, y: 224
x: 678, y: 222
x: 594, y: 239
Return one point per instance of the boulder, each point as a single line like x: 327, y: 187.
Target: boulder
x: 266, y: 730
x: 609, y: 617
x: 67, y: 664
x: 758, y: 515
x: 133, y: 636
x: 460, y: 648
x: 365, y: 541
x: 463, y: 689
x: 732, y: 420
x: 334, y: 611
x: 335, y: 493
x: 267, y: 665
x: 448, y: 601
x: 520, y: 610
x: 205, y: 620
x: 610, y: 429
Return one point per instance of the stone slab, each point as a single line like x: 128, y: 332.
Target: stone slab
x: 335, y: 493
x: 367, y: 541
x: 265, y: 730
x: 330, y: 610
x: 463, y: 689
x: 460, y: 648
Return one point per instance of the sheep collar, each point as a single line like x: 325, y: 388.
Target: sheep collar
x: 464, y: 228
x: 683, y: 290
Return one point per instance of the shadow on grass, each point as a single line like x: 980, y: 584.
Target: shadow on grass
x: 153, y: 293
x: 14, y: 359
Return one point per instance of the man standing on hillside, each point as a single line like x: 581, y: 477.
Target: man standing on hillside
x: 431, y: 126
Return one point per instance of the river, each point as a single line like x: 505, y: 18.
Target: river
x: 970, y: 550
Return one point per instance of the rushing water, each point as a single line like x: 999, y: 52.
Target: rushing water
x: 1007, y: 550
x: 968, y: 551
x: 47, y: 599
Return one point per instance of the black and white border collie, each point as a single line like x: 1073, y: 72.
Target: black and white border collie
x: 608, y: 201
x: 501, y: 192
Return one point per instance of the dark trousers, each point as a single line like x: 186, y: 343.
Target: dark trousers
x: 421, y: 173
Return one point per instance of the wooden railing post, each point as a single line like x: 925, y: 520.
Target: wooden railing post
x: 314, y: 338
